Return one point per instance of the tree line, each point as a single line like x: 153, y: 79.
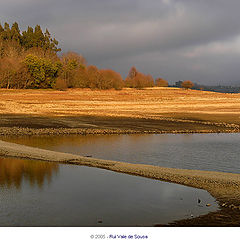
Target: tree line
x: 30, y: 59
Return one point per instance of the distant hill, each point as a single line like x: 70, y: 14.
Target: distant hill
x: 213, y: 88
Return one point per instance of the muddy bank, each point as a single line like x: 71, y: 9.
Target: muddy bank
x: 225, y: 187
x: 15, y: 131
x: 20, y: 125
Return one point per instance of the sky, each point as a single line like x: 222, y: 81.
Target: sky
x: 197, y: 40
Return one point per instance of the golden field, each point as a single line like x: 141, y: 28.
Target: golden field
x: 152, y: 104
x: 147, y: 103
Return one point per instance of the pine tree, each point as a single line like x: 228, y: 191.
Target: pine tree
x: 15, y: 32
x: 27, y: 38
x: 6, y: 34
x: 47, y: 37
x: 50, y: 43
x: 1, y: 29
x: 39, y: 38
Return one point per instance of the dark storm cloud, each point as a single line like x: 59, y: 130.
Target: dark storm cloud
x: 177, y: 39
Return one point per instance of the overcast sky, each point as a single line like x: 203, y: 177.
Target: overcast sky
x: 197, y: 40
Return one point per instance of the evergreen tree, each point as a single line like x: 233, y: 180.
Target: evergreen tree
x: 15, y: 32
x: 39, y: 38
x: 27, y: 38
x: 31, y: 38
x: 47, y: 37
x: 1, y: 29
x: 6, y: 34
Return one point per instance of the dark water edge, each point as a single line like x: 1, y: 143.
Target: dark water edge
x: 212, y: 152
x: 35, y: 193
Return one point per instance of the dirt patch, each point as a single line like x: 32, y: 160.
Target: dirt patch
x: 13, y: 124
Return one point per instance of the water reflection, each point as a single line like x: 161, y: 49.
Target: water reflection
x: 83, y: 196
x: 14, y: 171
x: 212, y: 152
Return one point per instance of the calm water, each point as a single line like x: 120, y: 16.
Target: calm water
x: 216, y: 152
x: 34, y: 193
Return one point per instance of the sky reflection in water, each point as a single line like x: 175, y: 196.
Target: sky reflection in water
x: 34, y: 193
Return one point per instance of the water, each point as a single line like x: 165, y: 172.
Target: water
x: 213, y: 152
x: 35, y: 193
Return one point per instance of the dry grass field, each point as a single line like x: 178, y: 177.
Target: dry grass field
x: 149, y: 109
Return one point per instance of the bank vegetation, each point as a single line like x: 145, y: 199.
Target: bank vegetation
x: 31, y: 59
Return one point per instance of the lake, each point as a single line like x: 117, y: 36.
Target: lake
x: 213, y: 152
x: 37, y: 193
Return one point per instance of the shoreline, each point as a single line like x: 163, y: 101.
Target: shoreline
x: 224, y: 187
x: 19, y: 131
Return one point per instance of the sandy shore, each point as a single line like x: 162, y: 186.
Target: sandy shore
x: 225, y: 187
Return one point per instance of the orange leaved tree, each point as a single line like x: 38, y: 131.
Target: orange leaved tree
x: 160, y: 82
x: 187, y: 84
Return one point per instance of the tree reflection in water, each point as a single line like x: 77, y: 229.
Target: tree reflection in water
x: 14, y: 171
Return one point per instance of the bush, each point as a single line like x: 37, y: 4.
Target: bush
x: 43, y: 71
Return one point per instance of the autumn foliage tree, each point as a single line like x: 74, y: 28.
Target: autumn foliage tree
x: 14, y: 73
x: 132, y: 72
x: 111, y: 79
x: 71, y: 63
x: 94, y: 78
x: 187, y: 84
x: 138, y: 80
x: 30, y: 59
x: 160, y: 82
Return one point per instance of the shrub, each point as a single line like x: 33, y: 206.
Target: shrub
x: 43, y: 71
